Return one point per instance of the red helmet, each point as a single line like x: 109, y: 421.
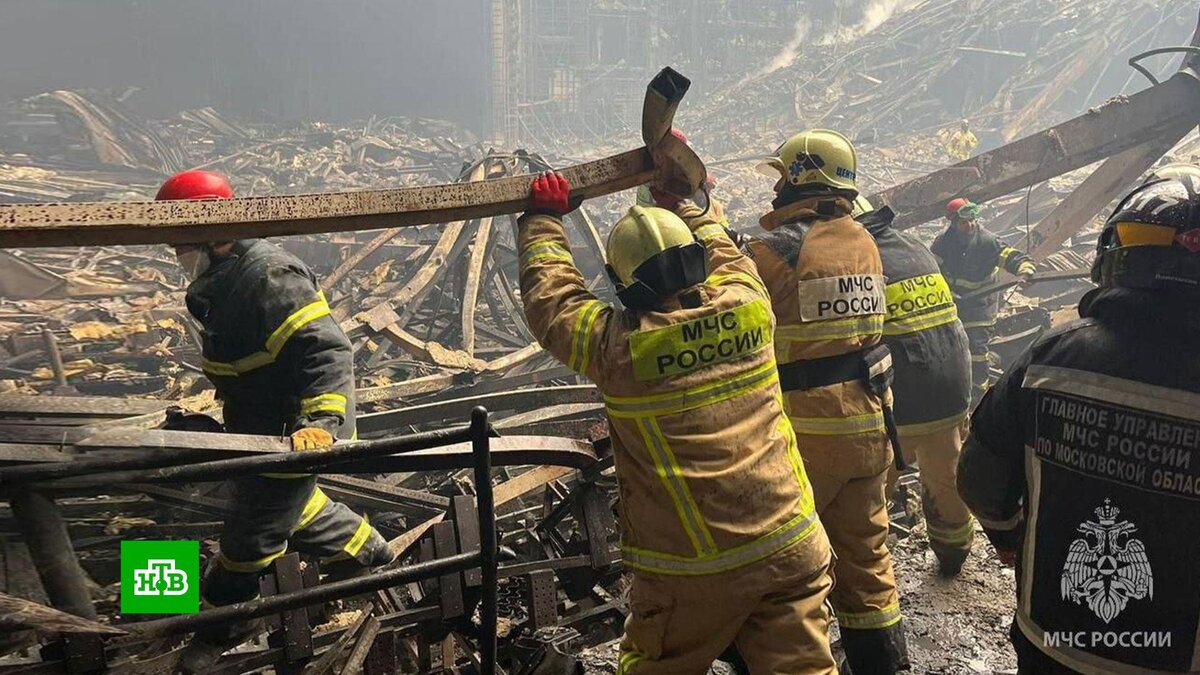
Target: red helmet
x: 678, y: 133
x: 955, y: 206
x: 195, y: 184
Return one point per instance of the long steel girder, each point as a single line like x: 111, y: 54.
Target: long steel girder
x: 665, y: 160
x: 1164, y: 110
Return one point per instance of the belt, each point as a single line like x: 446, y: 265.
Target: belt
x: 872, y: 366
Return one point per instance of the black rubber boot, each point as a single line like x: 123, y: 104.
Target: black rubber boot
x: 209, y: 643
x: 876, y: 652
x: 950, y: 560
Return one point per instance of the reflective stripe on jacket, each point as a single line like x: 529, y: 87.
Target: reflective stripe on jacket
x: 1085, y: 458
x: 827, y: 289
x: 277, y: 358
x: 710, y: 476
x: 971, y: 261
x: 932, y: 362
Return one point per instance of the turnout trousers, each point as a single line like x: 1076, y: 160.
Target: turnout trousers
x: 854, y: 511
x: 949, y: 524
x: 274, y: 515
x: 982, y: 359
x: 774, y: 612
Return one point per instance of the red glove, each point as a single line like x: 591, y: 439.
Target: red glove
x: 551, y: 194
x: 665, y: 200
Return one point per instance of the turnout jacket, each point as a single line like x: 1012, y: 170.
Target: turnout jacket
x: 971, y: 261
x: 277, y: 358
x: 709, y: 473
x: 1085, y: 457
x: 826, y: 283
x: 929, y: 349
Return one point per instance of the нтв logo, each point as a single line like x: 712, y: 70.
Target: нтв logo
x: 1107, y: 567
x: 160, y: 577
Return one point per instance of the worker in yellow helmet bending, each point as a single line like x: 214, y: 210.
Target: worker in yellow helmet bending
x: 717, y: 517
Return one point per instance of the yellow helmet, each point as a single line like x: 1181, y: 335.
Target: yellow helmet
x: 817, y: 157
x: 652, y: 254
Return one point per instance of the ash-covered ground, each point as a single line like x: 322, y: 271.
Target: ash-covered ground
x: 955, y: 626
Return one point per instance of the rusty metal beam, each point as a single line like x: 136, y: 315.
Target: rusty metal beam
x: 1095, y: 193
x: 162, y: 453
x: 1164, y: 110
x: 664, y: 160
x: 111, y: 223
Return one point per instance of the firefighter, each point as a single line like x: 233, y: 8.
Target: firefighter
x: 971, y: 258
x: 933, y: 380
x: 280, y: 365
x: 961, y: 143
x: 717, y: 517
x: 825, y: 278
x: 1079, y: 461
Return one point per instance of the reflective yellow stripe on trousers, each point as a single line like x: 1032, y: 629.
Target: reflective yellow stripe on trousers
x: 888, y: 616
x: 957, y: 535
x: 312, y: 508
x: 838, y: 426
x: 355, y: 543
x: 249, y: 566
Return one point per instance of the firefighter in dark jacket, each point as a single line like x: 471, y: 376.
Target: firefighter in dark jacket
x: 1080, y: 465
x: 281, y: 366
x: 971, y: 258
x: 932, y: 388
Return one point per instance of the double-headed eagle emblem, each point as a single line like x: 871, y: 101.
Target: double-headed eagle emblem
x: 1107, y: 567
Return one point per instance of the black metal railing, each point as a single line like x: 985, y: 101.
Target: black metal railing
x: 341, y: 458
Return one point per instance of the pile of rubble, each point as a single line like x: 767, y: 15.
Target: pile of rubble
x: 1008, y: 67
x: 429, y: 308
x: 435, y: 320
